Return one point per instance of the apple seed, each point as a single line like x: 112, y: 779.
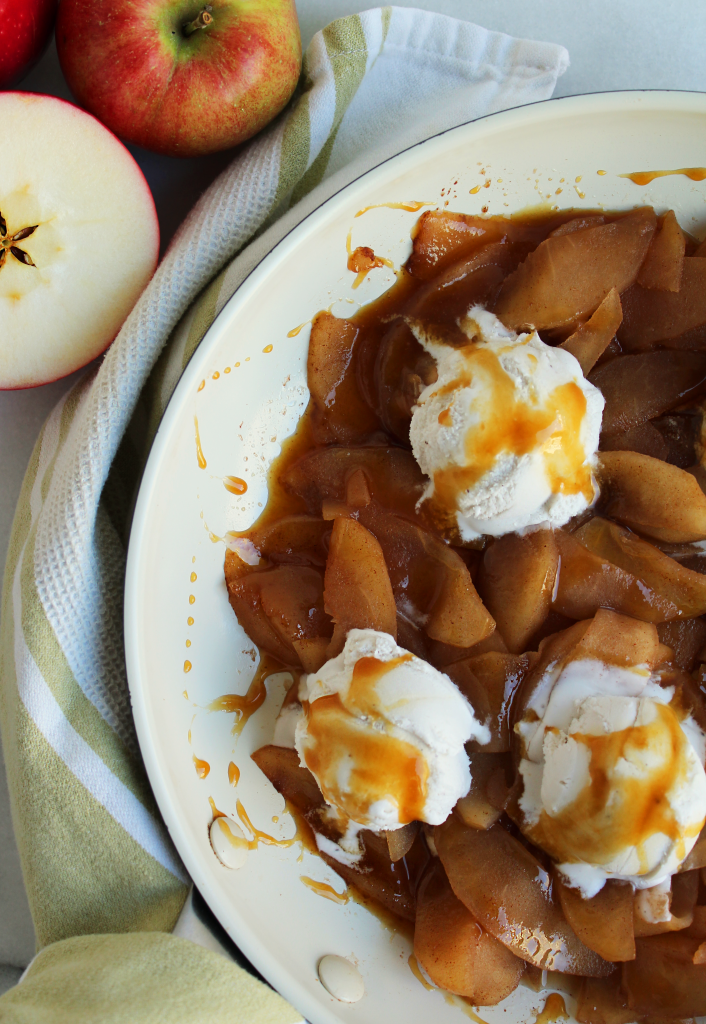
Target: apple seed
x: 7, y: 243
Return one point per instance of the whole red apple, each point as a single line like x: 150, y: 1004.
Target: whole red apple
x: 177, y: 76
x: 25, y: 29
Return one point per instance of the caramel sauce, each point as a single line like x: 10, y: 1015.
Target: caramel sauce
x: 645, y: 177
x: 233, y: 774
x: 381, y: 765
x: 295, y: 330
x: 362, y: 260
x: 509, y: 424
x: 235, y: 484
x: 237, y: 842
x: 244, y: 706
x: 214, y: 809
x: 464, y: 1005
x: 258, y: 836
x: 415, y: 969
x: 554, y: 1009
x: 377, y: 763
x: 199, y: 450
x: 324, y: 889
x: 202, y: 767
x: 412, y: 207
x: 618, y: 811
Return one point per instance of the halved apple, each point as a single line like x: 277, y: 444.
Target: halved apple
x: 79, y: 238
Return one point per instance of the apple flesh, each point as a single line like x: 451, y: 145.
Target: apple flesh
x: 79, y: 238
x: 177, y: 76
x: 25, y: 29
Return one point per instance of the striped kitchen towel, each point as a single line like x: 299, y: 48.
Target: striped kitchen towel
x: 96, y: 857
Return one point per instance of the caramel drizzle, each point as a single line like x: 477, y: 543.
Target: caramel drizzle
x: 645, y: 177
x: 244, y: 706
x: 324, y: 889
x: 411, y: 207
x: 199, y: 450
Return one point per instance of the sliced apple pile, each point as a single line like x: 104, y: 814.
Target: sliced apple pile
x: 79, y: 238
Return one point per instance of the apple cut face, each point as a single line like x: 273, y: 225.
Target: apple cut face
x: 79, y: 238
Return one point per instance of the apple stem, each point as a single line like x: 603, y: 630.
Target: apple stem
x: 202, y: 20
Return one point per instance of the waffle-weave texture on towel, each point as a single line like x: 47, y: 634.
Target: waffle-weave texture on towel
x: 95, y: 854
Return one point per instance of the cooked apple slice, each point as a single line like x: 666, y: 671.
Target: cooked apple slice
x: 652, y: 317
x: 619, y: 640
x: 590, y: 340
x: 357, y: 590
x: 604, y: 922
x: 440, y: 237
x: 339, y: 412
x: 299, y: 539
x: 645, y: 439
x: 79, y: 238
x: 663, y: 981
x: 484, y: 803
x: 588, y: 582
x: 457, y: 954
x: 586, y: 220
x: 392, y: 474
x: 685, y: 588
x: 567, y: 277
x: 472, y: 281
x: 516, y: 584
x: 510, y: 894
x: 383, y: 881
x: 650, y: 496
x: 490, y: 681
x: 296, y: 784
x: 402, y: 371
x: 277, y: 605
x: 602, y: 1001
x: 664, y: 261
x: 639, y: 387
x: 430, y: 581
x: 311, y: 651
x: 401, y: 840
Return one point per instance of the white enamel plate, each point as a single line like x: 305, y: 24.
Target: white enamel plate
x: 563, y: 153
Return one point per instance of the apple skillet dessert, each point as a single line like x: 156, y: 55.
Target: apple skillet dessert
x: 482, y: 559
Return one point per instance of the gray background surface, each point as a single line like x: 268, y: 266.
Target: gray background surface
x: 613, y: 44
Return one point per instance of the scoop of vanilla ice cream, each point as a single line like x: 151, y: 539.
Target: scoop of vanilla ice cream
x: 383, y: 732
x: 614, y: 784
x: 508, y: 432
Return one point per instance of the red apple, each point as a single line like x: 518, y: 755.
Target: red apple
x: 179, y: 77
x: 25, y: 28
x: 79, y: 238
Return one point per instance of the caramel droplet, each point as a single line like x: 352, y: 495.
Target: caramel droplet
x: 201, y: 386
x: 190, y: 621
x: 233, y: 774
x: 235, y: 484
x: 202, y: 767
x: 187, y: 666
x: 268, y: 348
x: 192, y: 598
x: 193, y: 577
x: 295, y: 330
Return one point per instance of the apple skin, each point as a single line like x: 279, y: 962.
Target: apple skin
x: 25, y: 30
x: 132, y: 65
